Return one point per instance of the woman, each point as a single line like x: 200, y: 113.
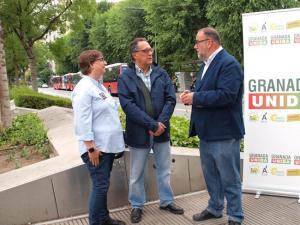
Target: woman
x: 99, y: 131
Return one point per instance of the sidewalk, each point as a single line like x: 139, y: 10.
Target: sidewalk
x: 267, y: 210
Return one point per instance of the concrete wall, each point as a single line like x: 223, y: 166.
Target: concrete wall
x: 66, y: 193
x: 59, y: 187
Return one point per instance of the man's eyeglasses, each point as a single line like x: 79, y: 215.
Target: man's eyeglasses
x: 199, y: 41
x: 147, y: 50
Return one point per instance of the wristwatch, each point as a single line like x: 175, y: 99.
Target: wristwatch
x: 91, y: 150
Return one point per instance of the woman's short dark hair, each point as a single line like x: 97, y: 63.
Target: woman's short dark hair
x: 133, y: 46
x: 87, y: 58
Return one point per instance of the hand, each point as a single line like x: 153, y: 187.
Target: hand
x: 95, y: 157
x: 187, y: 97
x: 161, y: 128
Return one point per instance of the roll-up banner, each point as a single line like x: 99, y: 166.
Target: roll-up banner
x: 272, y: 102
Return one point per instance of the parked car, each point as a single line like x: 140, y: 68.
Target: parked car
x: 44, y: 85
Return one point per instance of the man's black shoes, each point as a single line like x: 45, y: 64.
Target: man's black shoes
x: 175, y: 209
x: 230, y: 222
x: 111, y: 221
x: 136, y: 215
x: 204, y: 215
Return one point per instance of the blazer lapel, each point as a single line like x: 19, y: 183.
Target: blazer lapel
x: 211, y: 68
x: 198, y: 80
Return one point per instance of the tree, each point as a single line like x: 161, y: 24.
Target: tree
x: 43, y: 55
x: 16, y: 60
x: 66, y: 49
x: 5, y: 114
x: 173, y: 26
x: 113, y: 30
x: 60, y: 49
x: 31, y: 21
x: 226, y: 17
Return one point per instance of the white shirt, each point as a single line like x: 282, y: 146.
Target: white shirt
x: 96, y: 117
x: 209, y: 60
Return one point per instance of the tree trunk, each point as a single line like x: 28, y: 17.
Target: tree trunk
x: 5, y: 112
x: 32, y: 66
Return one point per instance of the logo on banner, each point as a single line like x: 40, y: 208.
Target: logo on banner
x: 265, y: 171
x: 257, y: 41
x: 293, y: 172
x: 293, y: 24
x: 280, y: 159
x: 253, y: 28
x: 293, y: 117
x: 275, y: 26
x: 276, y: 93
x: 280, y: 39
x: 258, y: 158
x: 264, y: 118
x: 275, y: 172
x: 254, y: 169
x: 297, y: 38
x: 297, y: 160
x: 264, y: 27
x: 275, y: 118
x: 254, y: 117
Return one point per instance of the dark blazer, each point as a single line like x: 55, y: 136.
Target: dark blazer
x: 138, y: 122
x: 217, y: 101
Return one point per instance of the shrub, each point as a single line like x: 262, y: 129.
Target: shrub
x: 25, y: 97
x: 180, y: 131
x: 26, y: 130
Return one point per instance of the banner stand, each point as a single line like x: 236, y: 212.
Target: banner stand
x: 271, y: 108
x: 260, y: 192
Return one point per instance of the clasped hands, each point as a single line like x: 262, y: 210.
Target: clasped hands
x: 161, y: 128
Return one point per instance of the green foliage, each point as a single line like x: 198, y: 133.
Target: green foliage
x: 180, y: 131
x: 122, y: 117
x: 226, y: 17
x: 11, y: 157
x: 61, y: 50
x: 25, y: 153
x: 44, y: 151
x: 25, y: 130
x: 114, y: 29
x: 242, y: 145
x: 32, y: 20
x: 15, y: 56
x: 67, y: 49
x: 43, y: 56
x: 25, y: 97
x: 173, y: 26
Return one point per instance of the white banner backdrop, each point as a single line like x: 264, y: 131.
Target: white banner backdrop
x: 272, y: 101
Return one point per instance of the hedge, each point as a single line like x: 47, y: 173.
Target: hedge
x: 25, y: 97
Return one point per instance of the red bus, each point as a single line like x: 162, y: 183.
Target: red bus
x: 110, y: 78
x: 66, y: 82
x: 55, y: 82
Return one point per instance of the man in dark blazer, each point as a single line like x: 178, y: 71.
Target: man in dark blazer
x: 218, y: 121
